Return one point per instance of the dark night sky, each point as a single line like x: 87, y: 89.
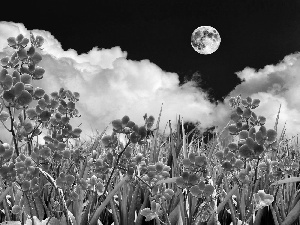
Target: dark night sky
x: 254, y: 33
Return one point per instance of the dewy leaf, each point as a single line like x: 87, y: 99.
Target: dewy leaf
x: 39, y: 41
x: 26, y: 79
x: 287, y: 180
x: 36, y: 58
x: 25, y: 98
x: 39, y: 72
x: 19, y: 87
x: 16, y: 209
x: 195, y: 190
x: 235, y: 117
x: 148, y: 213
x: 3, y: 116
x: 24, y: 42
x: 271, y: 135
x: 11, y: 41
x: 31, y: 51
x: 3, y: 74
x: 243, y: 134
x: 117, y: 124
x: 19, y: 38
x: 4, y: 61
x: 247, y: 113
x: 45, y: 115
x: 77, y: 131
x: 232, y: 129
x: 39, y: 92
x: 9, y: 95
x: 255, y: 102
x: 245, y: 151
x: 22, y: 54
x: 7, y: 83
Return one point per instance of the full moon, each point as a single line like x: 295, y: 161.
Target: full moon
x: 205, y: 40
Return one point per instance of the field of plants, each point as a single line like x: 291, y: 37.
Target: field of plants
x: 245, y: 174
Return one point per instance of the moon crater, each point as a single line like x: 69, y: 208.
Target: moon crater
x: 205, y: 40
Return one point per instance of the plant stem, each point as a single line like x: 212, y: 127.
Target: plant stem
x: 96, y: 215
x: 12, y: 130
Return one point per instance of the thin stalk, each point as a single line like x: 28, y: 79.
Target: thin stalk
x: 106, y: 201
x: 13, y: 131
x: 139, y: 219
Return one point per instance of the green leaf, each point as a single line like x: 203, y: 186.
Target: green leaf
x: 262, y: 120
x: 232, y: 129
x: 11, y: 41
x: 255, y: 102
x: 31, y: 51
x: 235, y: 117
x: 19, y: 38
x: 227, y: 165
x: 39, y: 72
x: 22, y: 54
x: 24, y: 42
x: 243, y: 134
x: 45, y: 115
x: 271, y: 135
x: 247, y: 113
x: 25, y: 98
x: 26, y: 79
x: 3, y: 75
x: 16, y: 209
x: 28, y: 127
x: 77, y: 131
x: 209, y: 189
x: 9, y: 95
x: 7, y: 83
x: 287, y: 180
x: 148, y: 213
x: 31, y: 113
x: 245, y: 151
x: 3, y: 116
x: 39, y: 92
x: 24, y: 70
x: 19, y: 87
x: 195, y: 190
x: 11, y: 223
x: 36, y: 58
x: 39, y: 40
x: 117, y: 124
x: 4, y: 61
x: 168, y: 180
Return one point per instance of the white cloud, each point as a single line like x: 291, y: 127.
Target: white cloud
x: 112, y: 86
x: 275, y: 85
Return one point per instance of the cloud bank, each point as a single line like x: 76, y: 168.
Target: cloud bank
x: 275, y: 85
x: 111, y: 86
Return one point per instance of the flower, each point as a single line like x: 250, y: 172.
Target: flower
x: 262, y: 199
